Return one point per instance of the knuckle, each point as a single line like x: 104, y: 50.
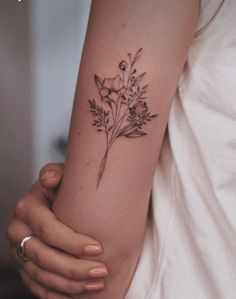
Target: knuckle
x: 35, y: 274
x: 75, y: 247
x: 73, y: 272
x: 27, y: 266
x: 29, y: 269
x: 38, y: 258
x: 20, y: 207
x: 73, y: 288
x: 69, y: 287
x: 45, y: 231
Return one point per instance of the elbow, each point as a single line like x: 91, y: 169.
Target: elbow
x: 121, y: 260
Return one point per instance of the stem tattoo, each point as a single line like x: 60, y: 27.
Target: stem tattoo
x: 124, y: 110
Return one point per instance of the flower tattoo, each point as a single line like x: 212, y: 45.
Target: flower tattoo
x: 124, y: 111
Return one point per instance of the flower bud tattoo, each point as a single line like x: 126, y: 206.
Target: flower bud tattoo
x: 124, y: 110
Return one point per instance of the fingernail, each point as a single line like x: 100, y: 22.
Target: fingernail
x: 98, y: 272
x: 92, y: 249
x: 48, y: 174
x: 96, y: 285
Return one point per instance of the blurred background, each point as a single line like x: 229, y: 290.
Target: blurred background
x: 40, y: 48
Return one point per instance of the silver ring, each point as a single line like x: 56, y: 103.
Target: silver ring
x: 20, y: 249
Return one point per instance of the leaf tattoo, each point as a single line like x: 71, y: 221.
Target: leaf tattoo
x: 124, y: 110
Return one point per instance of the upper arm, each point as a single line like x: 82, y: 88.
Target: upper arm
x: 115, y: 211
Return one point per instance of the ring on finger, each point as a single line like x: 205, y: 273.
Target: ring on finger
x: 20, y: 249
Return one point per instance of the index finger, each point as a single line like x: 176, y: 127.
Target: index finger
x: 34, y: 211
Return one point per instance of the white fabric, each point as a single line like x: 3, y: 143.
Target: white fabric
x: 190, y: 246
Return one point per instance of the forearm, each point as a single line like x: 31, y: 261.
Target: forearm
x: 108, y: 174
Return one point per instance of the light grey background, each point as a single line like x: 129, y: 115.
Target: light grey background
x: 40, y: 47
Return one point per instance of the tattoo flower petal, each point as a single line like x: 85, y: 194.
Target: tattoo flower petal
x: 110, y: 88
x: 138, y: 109
x: 117, y: 83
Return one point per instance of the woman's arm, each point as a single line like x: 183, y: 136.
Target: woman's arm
x: 118, y: 123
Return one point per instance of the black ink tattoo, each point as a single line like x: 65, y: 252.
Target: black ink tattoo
x: 126, y: 110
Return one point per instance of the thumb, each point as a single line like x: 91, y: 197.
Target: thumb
x: 50, y: 176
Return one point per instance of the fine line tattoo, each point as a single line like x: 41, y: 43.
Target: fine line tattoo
x: 124, y: 111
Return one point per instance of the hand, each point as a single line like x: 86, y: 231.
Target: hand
x: 57, y: 266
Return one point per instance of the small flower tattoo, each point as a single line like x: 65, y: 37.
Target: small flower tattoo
x: 124, y: 110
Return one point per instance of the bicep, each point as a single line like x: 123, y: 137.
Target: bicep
x: 133, y: 56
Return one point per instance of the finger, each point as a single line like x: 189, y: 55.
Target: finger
x: 77, y: 269
x: 58, y: 283
x: 50, y: 175
x: 16, y: 231
x: 52, y: 259
x: 39, y: 290
x: 58, y: 262
x: 35, y: 213
x: 15, y: 258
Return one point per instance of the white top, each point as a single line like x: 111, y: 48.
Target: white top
x: 190, y: 246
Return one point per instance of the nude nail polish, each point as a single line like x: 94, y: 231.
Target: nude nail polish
x: 48, y: 174
x: 98, y: 272
x: 96, y: 285
x: 92, y: 249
